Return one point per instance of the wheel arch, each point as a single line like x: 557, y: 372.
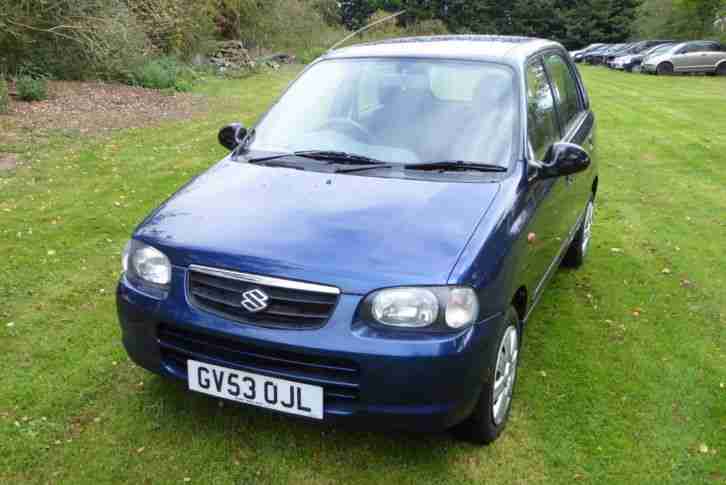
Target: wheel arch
x: 520, y: 302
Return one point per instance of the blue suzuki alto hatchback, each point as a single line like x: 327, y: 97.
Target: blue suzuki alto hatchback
x: 370, y: 251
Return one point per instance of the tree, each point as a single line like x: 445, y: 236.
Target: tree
x: 355, y: 13
x: 572, y: 22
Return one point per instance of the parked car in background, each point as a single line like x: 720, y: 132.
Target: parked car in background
x: 688, y: 57
x: 371, y: 251
x: 632, y: 61
x: 589, y: 57
x: 598, y: 57
x: 579, y: 54
x: 623, y: 50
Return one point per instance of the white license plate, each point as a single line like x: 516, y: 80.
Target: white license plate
x: 257, y: 390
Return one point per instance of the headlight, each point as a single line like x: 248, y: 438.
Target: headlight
x: 433, y: 308
x: 143, y: 262
x: 405, y: 307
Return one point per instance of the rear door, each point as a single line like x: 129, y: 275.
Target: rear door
x: 712, y: 56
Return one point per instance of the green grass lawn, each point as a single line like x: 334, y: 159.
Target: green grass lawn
x: 623, y: 377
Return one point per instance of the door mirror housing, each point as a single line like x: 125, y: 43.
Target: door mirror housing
x: 564, y: 159
x: 231, y: 136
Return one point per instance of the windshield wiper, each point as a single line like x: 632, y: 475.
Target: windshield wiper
x: 326, y: 155
x: 456, y: 165
x: 339, y: 157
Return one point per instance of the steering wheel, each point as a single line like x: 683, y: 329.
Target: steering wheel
x: 353, y: 128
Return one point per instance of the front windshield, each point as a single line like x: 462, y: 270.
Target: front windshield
x: 398, y: 111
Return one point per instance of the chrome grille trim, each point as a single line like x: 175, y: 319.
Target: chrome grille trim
x: 265, y: 280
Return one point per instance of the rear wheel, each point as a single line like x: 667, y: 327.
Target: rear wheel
x: 665, y: 69
x: 491, y: 412
x: 721, y: 70
x: 575, y: 256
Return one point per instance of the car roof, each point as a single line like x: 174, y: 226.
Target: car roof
x: 703, y: 41
x: 503, y: 49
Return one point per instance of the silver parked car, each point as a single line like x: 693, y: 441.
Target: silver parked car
x: 699, y: 56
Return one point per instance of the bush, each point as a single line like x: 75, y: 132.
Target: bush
x: 163, y: 73
x: 31, y: 89
x: 393, y: 29
x: 278, y: 25
x: 4, y: 96
x: 71, y: 39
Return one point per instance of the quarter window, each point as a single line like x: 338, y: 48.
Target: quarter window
x: 564, y: 86
x: 541, y: 116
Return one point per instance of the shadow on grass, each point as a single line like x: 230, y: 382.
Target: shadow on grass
x: 260, y: 431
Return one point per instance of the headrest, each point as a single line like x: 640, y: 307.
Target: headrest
x: 492, y: 88
x: 388, y: 90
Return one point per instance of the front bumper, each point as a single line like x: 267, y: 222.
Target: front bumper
x: 404, y: 381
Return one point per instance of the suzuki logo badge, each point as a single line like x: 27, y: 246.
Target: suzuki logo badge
x: 254, y: 301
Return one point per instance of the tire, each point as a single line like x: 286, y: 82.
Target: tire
x: 721, y: 69
x: 575, y: 256
x: 664, y: 69
x: 489, y: 418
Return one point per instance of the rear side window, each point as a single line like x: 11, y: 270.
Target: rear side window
x: 564, y: 86
x: 541, y: 116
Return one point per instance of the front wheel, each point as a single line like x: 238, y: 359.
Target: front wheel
x: 575, y: 256
x: 664, y: 69
x: 491, y: 412
x: 721, y: 70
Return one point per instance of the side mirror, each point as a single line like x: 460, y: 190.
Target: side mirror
x: 564, y: 159
x: 232, y: 135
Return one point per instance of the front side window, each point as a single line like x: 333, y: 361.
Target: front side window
x: 694, y: 48
x: 398, y: 111
x: 663, y: 49
x: 542, y: 124
x: 564, y: 86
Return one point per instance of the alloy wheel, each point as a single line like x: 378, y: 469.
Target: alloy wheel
x: 505, y: 375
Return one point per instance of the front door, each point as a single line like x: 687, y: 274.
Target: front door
x: 577, y: 124
x: 696, y: 57
x: 546, y: 198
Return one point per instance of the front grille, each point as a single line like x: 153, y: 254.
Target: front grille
x: 291, y: 304
x: 338, y: 377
